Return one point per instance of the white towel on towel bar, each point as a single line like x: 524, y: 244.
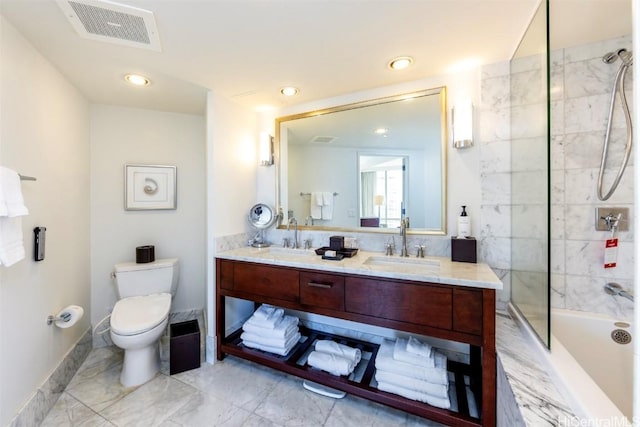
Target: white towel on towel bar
x: 315, y: 205
x: 11, y: 200
x: 327, y: 205
x: 11, y: 246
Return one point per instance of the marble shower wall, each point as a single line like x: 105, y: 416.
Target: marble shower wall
x: 581, y: 85
x: 494, y: 143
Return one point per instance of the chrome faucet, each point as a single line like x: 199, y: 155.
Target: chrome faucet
x: 615, y: 289
x: 404, y: 224
x: 294, y: 221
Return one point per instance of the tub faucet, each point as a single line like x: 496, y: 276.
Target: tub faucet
x: 294, y: 221
x: 615, y: 289
x: 404, y: 225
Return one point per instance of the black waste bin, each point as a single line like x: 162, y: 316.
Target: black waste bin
x: 184, y: 346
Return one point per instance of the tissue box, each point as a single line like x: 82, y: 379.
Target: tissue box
x: 463, y: 249
x: 336, y: 242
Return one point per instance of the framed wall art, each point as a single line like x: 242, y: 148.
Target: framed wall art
x: 150, y: 187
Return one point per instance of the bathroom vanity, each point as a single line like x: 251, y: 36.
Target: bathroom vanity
x: 431, y: 297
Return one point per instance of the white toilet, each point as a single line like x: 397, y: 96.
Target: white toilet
x: 140, y: 316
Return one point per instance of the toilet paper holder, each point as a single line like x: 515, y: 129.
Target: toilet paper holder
x: 63, y: 317
x: 67, y: 317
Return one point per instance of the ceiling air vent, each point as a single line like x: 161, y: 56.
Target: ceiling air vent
x: 112, y: 23
x: 323, y: 139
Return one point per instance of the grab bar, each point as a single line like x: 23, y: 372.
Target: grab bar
x: 615, y: 289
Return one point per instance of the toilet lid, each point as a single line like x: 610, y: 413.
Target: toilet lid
x: 134, y: 315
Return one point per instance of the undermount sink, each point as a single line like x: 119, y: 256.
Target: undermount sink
x: 394, y: 261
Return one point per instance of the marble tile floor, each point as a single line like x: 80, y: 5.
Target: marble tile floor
x: 233, y: 392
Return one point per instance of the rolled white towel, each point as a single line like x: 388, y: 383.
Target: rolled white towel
x: 419, y: 348
x: 276, y: 350
x: 439, y: 402
x: 332, y: 363
x: 436, y: 390
x: 284, y: 328
x: 400, y: 353
x: 332, y: 347
x: 386, y: 362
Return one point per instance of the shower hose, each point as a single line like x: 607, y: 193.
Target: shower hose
x: 618, y: 88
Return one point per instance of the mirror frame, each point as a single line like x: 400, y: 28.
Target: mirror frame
x: 440, y: 91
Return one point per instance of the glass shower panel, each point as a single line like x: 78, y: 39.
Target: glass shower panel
x: 530, y: 175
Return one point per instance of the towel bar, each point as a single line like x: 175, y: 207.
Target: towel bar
x: 308, y: 194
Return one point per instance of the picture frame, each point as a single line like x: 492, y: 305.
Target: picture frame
x: 150, y: 187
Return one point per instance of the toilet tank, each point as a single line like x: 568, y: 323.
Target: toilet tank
x: 149, y: 278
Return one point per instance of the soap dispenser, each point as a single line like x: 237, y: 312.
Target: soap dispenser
x: 464, y: 223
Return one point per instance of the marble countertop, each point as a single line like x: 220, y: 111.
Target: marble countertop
x: 429, y: 269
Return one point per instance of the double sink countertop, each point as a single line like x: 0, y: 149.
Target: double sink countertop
x: 429, y: 269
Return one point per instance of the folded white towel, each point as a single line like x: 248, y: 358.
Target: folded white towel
x: 386, y: 362
x: 276, y: 350
x: 327, y: 205
x: 11, y: 246
x: 439, y: 402
x: 332, y: 347
x: 11, y: 200
x: 267, y: 316
x: 400, y: 353
x: 284, y: 328
x: 332, y: 363
x: 419, y: 348
x: 269, y: 341
x: 436, y: 390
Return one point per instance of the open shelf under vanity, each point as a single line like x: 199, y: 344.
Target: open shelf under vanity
x: 361, y: 382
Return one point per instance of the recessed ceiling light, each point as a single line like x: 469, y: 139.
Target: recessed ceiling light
x: 289, y: 91
x: 137, y: 80
x: 400, y: 63
x: 381, y: 131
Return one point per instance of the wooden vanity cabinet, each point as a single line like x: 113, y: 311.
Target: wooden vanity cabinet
x: 462, y: 314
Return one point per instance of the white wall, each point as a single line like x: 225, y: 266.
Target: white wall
x: 232, y: 141
x: 44, y: 132
x: 122, y: 136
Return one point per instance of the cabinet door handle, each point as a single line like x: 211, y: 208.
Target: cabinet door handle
x: 320, y: 285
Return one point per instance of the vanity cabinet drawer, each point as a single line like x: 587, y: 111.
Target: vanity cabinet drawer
x: 322, y: 290
x: 274, y: 282
x: 406, y: 302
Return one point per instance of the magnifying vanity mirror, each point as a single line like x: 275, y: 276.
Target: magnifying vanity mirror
x: 361, y: 167
x: 261, y: 217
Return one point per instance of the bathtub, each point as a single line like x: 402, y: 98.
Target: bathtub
x: 596, y: 370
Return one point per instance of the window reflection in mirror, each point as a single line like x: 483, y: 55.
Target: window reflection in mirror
x: 382, y: 190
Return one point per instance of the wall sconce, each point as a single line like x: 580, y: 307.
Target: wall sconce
x: 462, y: 123
x: 266, y: 149
x: 378, y: 200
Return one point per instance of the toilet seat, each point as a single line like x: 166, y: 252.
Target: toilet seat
x: 135, y: 315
